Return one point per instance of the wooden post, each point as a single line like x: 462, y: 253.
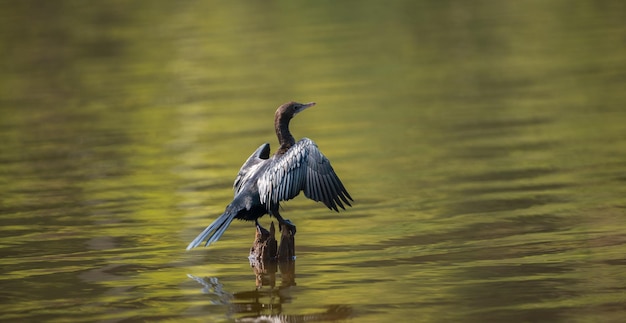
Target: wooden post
x: 287, y: 249
x: 264, y: 247
x: 266, y: 256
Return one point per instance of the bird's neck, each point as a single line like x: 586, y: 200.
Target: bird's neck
x: 285, y: 138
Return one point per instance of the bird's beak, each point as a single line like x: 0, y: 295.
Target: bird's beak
x: 305, y: 106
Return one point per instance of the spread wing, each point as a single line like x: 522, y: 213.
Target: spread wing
x: 247, y: 169
x: 302, y: 168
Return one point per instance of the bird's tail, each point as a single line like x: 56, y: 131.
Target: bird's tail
x: 215, y: 230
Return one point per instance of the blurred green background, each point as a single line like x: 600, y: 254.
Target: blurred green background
x: 483, y: 142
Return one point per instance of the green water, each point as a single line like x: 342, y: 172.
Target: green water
x: 484, y: 144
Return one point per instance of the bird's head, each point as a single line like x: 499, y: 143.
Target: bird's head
x: 290, y: 109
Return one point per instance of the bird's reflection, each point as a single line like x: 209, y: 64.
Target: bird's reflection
x: 265, y: 302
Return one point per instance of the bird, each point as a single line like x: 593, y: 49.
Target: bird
x: 264, y: 181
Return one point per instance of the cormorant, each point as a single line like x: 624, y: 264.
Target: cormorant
x: 264, y: 181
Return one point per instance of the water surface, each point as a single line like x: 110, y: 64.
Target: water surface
x: 484, y: 145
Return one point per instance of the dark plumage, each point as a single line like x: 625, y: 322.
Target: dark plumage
x: 264, y: 181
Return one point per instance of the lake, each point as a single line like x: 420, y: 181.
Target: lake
x: 484, y: 144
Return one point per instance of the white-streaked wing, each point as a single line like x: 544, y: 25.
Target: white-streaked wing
x: 249, y: 167
x: 302, y: 168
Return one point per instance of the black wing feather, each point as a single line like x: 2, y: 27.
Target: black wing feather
x: 261, y: 154
x: 302, y: 168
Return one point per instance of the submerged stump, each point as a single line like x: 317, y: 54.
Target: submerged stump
x: 266, y: 256
x: 265, y: 246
